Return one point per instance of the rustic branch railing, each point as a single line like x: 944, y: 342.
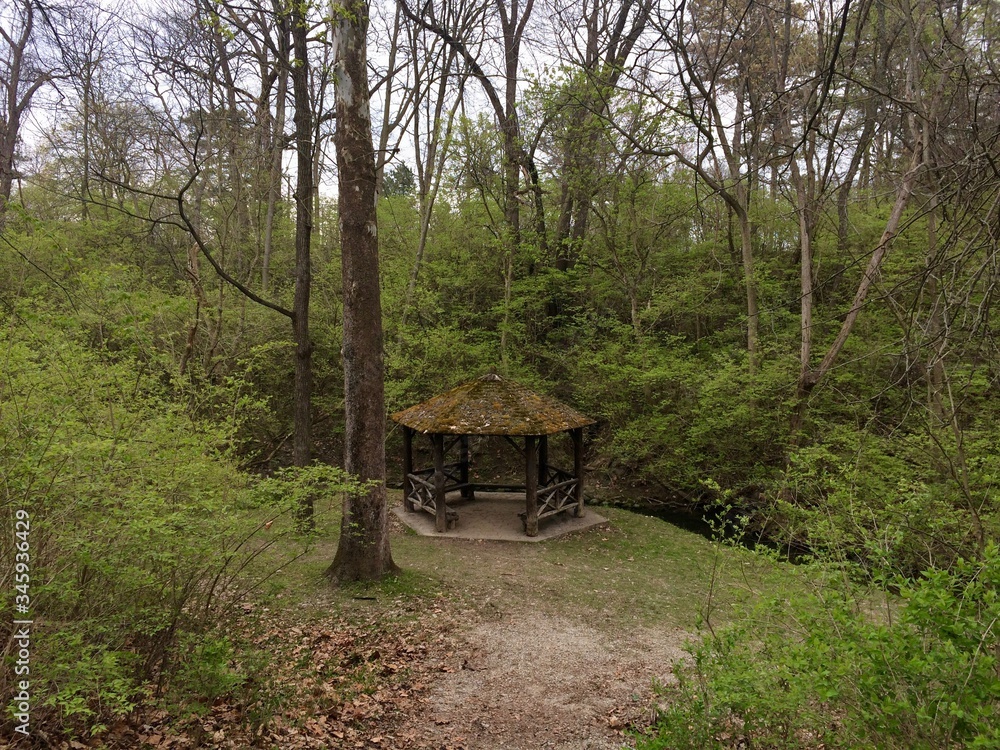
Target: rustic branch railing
x: 422, y: 492
x: 423, y: 495
x: 557, y: 498
x: 556, y: 491
x: 452, y: 473
x: 552, y: 474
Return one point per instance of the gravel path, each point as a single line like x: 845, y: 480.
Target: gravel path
x: 528, y: 681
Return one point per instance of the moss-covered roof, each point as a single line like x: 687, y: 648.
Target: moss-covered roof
x: 491, y: 405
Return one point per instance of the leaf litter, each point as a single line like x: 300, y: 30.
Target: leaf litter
x: 446, y: 678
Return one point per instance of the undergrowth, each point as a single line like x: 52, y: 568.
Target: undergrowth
x: 833, y: 665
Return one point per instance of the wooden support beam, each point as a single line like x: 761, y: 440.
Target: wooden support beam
x: 407, y: 467
x: 463, y: 476
x: 531, y: 487
x: 543, y: 460
x: 578, y: 470
x: 440, y: 508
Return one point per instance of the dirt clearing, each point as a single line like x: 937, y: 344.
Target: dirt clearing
x: 530, y: 681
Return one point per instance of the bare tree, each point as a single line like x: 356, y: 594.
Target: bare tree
x: 713, y: 47
x: 598, y: 39
x: 513, y: 17
x: 207, y: 106
x: 22, y: 74
x: 440, y: 76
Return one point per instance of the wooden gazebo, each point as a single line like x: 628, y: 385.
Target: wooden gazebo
x: 492, y: 405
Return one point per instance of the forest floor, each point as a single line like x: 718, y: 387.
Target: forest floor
x: 474, y: 645
x: 538, y: 681
x: 525, y: 646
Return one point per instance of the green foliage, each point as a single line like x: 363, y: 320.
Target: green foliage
x: 399, y: 181
x: 831, y: 669
x: 136, y: 541
x: 876, y: 498
x: 206, y: 670
x: 88, y: 683
x: 288, y: 487
x: 675, y: 417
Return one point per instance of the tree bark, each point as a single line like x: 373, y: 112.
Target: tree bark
x: 302, y: 443
x: 363, y: 552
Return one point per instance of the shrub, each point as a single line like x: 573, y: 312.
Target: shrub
x: 143, y: 533
x: 823, y: 669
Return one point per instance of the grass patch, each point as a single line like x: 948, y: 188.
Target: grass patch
x: 639, y: 570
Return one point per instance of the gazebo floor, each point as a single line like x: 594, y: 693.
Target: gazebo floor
x: 493, y: 515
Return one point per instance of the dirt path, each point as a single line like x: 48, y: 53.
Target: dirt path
x: 476, y: 645
x: 554, y: 645
x: 528, y: 681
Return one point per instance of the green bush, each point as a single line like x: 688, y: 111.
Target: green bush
x: 830, y: 669
x: 674, y: 417
x: 891, y: 502
x: 85, y: 682
x: 144, y: 534
x: 206, y: 669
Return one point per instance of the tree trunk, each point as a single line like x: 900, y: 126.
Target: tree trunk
x: 302, y: 441
x: 903, y: 195
x: 18, y: 90
x: 746, y: 254
x: 363, y: 552
x: 277, y: 152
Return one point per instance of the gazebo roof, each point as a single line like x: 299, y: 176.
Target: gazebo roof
x: 491, y: 405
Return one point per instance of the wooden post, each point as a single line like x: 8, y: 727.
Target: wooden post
x: 463, y: 470
x: 407, y: 467
x: 543, y: 459
x: 530, y: 487
x: 440, y: 508
x: 578, y: 470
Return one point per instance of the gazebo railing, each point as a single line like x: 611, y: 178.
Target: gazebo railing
x: 551, y: 475
x: 452, y: 474
x: 556, y: 491
x: 558, y: 497
x: 423, y: 494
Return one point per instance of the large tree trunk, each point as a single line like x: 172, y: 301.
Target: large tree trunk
x: 302, y: 442
x: 363, y: 552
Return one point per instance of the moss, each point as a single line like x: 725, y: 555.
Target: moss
x: 491, y: 405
